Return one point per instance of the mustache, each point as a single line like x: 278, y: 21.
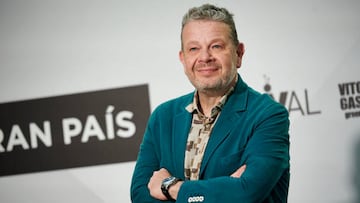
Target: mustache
x: 208, y: 64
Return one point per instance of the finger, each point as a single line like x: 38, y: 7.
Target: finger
x: 239, y: 172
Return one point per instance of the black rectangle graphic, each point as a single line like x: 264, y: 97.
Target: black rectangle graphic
x: 76, y: 130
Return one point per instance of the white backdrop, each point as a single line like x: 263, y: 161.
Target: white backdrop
x: 305, y: 48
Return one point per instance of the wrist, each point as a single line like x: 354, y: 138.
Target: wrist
x: 174, y: 189
x: 166, y: 185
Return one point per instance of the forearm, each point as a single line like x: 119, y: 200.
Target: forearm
x: 139, y: 186
x: 222, y: 189
x: 253, y: 184
x: 174, y: 190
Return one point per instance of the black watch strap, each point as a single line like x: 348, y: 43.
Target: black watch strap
x: 166, y: 184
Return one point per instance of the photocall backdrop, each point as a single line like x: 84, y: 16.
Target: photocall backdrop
x: 78, y: 80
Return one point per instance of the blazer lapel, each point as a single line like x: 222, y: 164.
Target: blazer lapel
x: 226, y: 121
x: 182, y: 123
x: 220, y: 132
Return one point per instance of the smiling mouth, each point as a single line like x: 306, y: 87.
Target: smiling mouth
x: 207, y: 72
x: 207, y: 67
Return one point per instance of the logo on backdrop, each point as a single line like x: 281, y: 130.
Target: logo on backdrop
x: 85, y: 129
x: 294, y: 101
x: 350, y: 99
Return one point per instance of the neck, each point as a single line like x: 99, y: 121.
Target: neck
x: 210, y: 98
x: 206, y: 104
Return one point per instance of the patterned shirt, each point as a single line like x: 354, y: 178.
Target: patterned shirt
x: 199, y: 134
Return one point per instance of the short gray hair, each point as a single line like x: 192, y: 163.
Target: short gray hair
x: 211, y: 12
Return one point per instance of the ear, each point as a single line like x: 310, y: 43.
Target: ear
x: 181, y: 57
x: 240, y: 52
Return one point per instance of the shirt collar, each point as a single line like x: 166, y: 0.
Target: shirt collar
x: 194, y: 105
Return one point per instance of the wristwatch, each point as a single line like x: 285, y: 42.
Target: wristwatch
x: 166, y: 184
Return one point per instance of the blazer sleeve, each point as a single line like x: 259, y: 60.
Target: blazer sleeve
x: 266, y: 156
x: 147, y: 162
x: 149, y: 159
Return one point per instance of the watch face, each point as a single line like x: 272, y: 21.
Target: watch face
x: 168, y: 181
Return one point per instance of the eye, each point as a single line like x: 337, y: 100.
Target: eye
x: 192, y: 49
x: 216, y: 46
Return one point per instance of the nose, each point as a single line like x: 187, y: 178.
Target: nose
x: 205, y: 56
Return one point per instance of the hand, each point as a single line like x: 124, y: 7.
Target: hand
x: 154, y: 184
x: 239, y: 172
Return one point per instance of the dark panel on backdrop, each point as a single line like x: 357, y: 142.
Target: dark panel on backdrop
x: 76, y: 130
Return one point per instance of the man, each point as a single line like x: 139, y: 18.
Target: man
x: 224, y: 142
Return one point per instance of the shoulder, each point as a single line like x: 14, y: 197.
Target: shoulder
x: 174, y: 106
x: 248, y: 99
x: 266, y: 113
x: 262, y: 102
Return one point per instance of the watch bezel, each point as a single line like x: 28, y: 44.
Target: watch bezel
x: 166, y: 184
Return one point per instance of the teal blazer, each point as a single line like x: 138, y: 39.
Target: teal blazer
x: 252, y: 129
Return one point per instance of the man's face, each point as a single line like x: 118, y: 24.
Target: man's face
x: 209, y: 57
